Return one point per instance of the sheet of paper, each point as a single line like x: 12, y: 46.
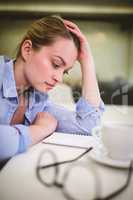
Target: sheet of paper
x: 71, y: 140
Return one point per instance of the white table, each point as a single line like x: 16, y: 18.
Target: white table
x: 18, y: 179
x: 118, y: 113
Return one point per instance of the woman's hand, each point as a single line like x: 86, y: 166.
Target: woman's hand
x: 43, y: 125
x: 85, y: 53
x: 90, y: 90
x: 46, y: 120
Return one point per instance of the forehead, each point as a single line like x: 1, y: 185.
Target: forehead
x: 65, y: 49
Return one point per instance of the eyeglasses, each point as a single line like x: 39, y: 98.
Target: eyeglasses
x: 52, y: 173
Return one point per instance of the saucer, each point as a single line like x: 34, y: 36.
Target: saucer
x: 105, y: 160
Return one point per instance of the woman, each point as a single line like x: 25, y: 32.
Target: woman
x: 47, y: 51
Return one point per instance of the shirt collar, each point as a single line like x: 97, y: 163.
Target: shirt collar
x: 37, y: 98
x: 9, y: 85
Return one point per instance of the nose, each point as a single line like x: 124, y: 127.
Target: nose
x: 58, y: 76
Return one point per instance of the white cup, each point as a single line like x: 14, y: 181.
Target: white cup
x: 117, y: 138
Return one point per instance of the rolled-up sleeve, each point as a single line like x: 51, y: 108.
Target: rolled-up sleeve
x: 81, y: 121
x: 24, y: 137
x: 13, y: 140
x: 88, y: 116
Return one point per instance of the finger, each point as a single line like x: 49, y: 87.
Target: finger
x: 77, y: 33
x: 71, y: 24
x: 72, y: 29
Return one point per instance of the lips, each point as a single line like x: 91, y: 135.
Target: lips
x: 50, y: 85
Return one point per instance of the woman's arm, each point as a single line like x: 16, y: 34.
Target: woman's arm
x: 90, y: 90
x: 16, y: 139
x: 44, y: 125
x: 79, y: 121
x: 90, y: 107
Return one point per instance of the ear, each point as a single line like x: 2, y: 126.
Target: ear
x: 26, y: 49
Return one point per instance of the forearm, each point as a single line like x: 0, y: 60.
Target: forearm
x: 43, y: 125
x: 90, y: 90
x: 38, y: 133
x: 9, y: 142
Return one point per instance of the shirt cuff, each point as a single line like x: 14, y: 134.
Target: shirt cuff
x: 25, y: 139
x: 84, y: 109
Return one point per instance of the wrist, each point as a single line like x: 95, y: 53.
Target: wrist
x: 87, y: 64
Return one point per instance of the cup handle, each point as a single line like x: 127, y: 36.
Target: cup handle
x: 96, y: 133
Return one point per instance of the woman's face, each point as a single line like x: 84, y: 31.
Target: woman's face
x: 46, y: 67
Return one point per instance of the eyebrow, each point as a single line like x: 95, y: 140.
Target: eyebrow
x: 67, y: 70
x: 61, y: 59
x: 64, y: 62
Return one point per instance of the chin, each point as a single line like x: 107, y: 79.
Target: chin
x: 41, y: 89
x: 48, y: 89
x: 45, y: 90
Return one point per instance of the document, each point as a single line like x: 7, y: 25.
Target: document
x: 75, y: 140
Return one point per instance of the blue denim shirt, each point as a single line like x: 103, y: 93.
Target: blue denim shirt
x: 80, y: 121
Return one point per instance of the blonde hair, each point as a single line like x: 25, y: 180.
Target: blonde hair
x: 45, y: 31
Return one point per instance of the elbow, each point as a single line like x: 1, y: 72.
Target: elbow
x: 86, y: 125
x: 10, y: 143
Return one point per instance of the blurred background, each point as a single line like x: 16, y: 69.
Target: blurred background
x: 108, y: 25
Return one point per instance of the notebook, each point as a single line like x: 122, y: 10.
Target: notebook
x: 72, y: 140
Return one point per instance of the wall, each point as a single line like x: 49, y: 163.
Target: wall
x: 131, y: 58
x: 111, y: 44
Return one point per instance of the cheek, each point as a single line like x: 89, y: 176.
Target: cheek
x: 43, y: 70
x: 38, y: 70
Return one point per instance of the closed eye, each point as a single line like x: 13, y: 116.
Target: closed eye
x: 56, y: 66
x: 66, y: 72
